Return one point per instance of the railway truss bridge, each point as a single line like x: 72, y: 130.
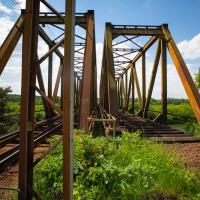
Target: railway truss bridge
x: 116, y: 109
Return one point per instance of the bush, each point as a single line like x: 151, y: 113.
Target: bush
x: 124, y: 167
x: 192, y: 128
x: 4, y: 108
x: 39, y: 116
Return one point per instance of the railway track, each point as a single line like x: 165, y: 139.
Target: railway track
x: 152, y: 130
x: 9, y: 143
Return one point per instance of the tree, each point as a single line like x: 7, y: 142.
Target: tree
x: 3, y: 107
x: 197, y: 79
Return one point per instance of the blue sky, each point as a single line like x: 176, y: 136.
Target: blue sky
x: 182, y: 17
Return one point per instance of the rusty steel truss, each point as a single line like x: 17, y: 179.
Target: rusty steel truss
x: 76, y: 76
x: 119, y: 78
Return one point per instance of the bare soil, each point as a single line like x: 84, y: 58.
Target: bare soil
x: 9, y: 178
x: 189, y: 153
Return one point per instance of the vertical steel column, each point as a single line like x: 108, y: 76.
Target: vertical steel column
x: 137, y: 84
x: 164, y: 80
x: 29, y: 65
x: 94, y: 72
x: 77, y: 93
x: 121, y: 93
x: 50, y: 74
x: 129, y: 92
x: 112, y: 90
x: 118, y: 93
x: 61, y: 85
x: 143, y: 80
x: 68, y: 95
x: 126, y: 88
x: 133, y: 91
x: 86, y: 104
x: 104, y: 80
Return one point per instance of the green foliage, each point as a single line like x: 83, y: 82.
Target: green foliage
x: 123, y: 167
x: 179, y: 113
x: 192, y: 128
x: 197, y: 79
x: 14, y: 98
x: 4, y: 109
x: 39, y: 116
x: 4, y: 99
x: 14, y: 108
x: 180, y: 109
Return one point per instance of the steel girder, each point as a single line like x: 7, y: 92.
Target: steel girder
x: 89, y: 80
x: 76, y: 75
x: 68, y: 99
x: 82, y: 20
x: 29, y: 68
x: 10, y: 42
x: 124, y: 86
x: 108, y: 87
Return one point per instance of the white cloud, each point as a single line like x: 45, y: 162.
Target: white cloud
x: 5, y: 9
x: 5, y: 25
x: 43, y: 8
x: 190, y: 49
x: 99, y: 53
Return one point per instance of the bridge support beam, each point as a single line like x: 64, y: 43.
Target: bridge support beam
x: 68, y: 99
x: 143, y: 81
x: 137, y: 84
x: 152, y: 80
x: 187, y: 81
x: 10, y: 43
x: 108, y: 84
x: 50, y: 63
x: 88, y: 79
x: 29, y: 66
x: 164, y: 81
x: 112, y: 92
x: 133, y: 92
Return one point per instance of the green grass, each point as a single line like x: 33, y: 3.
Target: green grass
x: 180, y: 127
x: 118, y: 168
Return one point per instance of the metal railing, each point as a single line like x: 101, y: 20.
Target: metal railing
x: 109, y: 121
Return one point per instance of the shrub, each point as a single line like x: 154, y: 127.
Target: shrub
x: 124, y: 167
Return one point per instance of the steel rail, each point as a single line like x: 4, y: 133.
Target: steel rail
x: 13, y: 136
x: 12, y: 154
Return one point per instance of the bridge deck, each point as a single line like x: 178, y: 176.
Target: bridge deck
x: 153, y: 130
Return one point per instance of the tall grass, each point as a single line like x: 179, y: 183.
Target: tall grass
x: 124, y: 167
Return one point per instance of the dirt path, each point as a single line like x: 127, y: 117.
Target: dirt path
x: 190, y: 153
x: 9, y: 178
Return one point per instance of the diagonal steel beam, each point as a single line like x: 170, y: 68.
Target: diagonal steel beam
x: 10, y: 43
x: 137, y: 57
x: 47, y: 39
x: 58, y: 78
x: 50, y: 51
x: 152, y: 80
x: 137, y: 84
x: 187, y: 81
x: 53, y: 10
x: 47, y: 99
